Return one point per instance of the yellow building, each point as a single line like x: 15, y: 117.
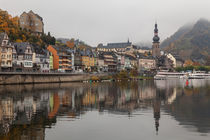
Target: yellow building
x: 88, y: 62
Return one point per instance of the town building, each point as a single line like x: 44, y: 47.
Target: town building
x: 156, y: 43
x: 5, y: 53
x: 172, y: 58
x: 134, y: 62
x: 95, y: 55
x: 127, y: 65
x: 31, y: 22
x: 120, y: 62
x: 14, y: 57
x: 72, y: 61
x: 144, y: 51
x: 101, y: 66
x: 107, y: 62
x: 146, y: 63
x: 42, y: 60
x: 62, y: 58
x: 55, y: 57
x: 87, y: 60
x: 131, y: 49
x: 114, y: 47
x: 24, y: 57
x: 78, y: 61
x: 164, y: 63
x: 65, y: 59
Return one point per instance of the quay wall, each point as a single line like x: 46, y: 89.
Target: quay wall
x: 34, y: 78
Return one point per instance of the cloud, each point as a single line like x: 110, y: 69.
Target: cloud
x: 102, y: 21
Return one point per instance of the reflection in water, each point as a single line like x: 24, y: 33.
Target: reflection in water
x: 26, y: 111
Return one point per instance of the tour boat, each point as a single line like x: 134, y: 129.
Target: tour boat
x: 170, y: 75
x: 199, y: 75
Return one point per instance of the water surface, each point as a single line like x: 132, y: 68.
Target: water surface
x: 147, y: 110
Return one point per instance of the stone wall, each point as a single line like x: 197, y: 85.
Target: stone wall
x: 7, y: 78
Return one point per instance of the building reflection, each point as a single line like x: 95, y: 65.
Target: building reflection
x: 25, y: 114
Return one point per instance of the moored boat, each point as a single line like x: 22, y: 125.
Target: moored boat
x: 170, y: 75
x: 199, y: 75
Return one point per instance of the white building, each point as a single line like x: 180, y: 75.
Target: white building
x: 172, y: 58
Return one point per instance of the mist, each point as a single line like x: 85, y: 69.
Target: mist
x: 103, y: 21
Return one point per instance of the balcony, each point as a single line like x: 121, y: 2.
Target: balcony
x: 65, y: 60
x: 6, y: 65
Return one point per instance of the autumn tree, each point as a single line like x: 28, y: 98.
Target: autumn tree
x: 70, y: 44
x: 11, y: 26
x: 188, y: 63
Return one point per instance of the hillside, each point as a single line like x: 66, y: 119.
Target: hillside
x: 177, y: 35
x: 11, y: 26
x: 190, y: 42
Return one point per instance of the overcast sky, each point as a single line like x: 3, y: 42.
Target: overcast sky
x: 103, y: 21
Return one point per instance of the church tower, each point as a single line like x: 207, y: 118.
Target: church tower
x: 156, y: 43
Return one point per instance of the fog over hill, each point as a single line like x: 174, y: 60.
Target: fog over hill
x: 190, y: 41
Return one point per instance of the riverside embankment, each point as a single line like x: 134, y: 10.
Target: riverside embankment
x: 34, y: 78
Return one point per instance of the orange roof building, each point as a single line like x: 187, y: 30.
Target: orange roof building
x: 55, y: 57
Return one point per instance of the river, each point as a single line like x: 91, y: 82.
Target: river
x: 148, y: 110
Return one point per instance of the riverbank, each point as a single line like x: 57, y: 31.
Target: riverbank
x: 35, y: 78
x: 7, y: 78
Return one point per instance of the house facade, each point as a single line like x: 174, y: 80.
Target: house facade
x: 78, y: 61
x: 114, y: 47
x: 54, y: 59
x: 110, y: 62
x: 146, y: 63
x: 5, y: 53
x: 101, y: 66
x: 62, y: 58
x: 42, y: 61
x: 24, y: 57
x: 51, y: 61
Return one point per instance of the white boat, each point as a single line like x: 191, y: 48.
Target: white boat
x: 170, y: 75
x: 199, y: 75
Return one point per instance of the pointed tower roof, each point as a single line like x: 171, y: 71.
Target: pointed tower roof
x: 156, y: 38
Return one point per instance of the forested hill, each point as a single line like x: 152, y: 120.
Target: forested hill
x: 190, y: 42
x: 177, y: 35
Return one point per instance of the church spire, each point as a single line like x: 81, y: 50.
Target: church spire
x: 156, y: 43
x: 156, y: 29
x: 156, y: 37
